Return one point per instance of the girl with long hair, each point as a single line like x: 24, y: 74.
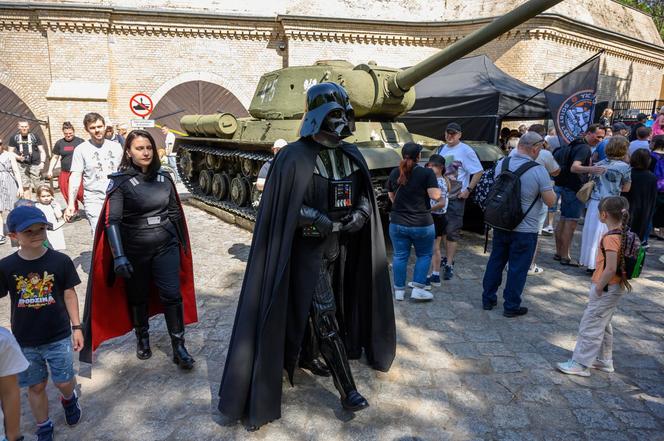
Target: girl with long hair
x: 594, y: 344
x: 410, y: 188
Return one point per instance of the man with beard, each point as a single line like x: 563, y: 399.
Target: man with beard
x: 316, y: 278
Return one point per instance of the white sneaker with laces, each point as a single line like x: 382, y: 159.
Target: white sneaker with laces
x: 571, y: 367
x: 535, y: 270
x: 420, y: 294
x: 399, y: 294
x: 603, y: 365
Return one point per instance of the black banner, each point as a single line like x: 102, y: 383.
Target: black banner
x: 571, y: 100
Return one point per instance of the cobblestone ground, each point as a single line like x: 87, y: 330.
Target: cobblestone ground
x: 461, y: 373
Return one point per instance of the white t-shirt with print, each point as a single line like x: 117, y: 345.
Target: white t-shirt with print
x: 12, y: 362
x: 442, y: 185
x: 96, y: 163
x: 464, y: 159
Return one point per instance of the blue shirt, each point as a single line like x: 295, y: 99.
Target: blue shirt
x: 601, y: 147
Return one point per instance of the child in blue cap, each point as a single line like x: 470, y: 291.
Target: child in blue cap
x: 44, y: 315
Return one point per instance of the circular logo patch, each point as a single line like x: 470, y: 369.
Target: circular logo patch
x: 574, y: 116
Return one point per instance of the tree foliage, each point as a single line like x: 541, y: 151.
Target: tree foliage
x: 652, y: 7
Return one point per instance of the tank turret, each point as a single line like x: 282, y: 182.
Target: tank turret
x: 220, y: 158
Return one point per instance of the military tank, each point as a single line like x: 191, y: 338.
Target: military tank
x: 220, y: 158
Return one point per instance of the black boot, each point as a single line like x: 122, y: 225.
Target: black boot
x: 334, y: 352
x: 175, y: 323
x: 139, y: 317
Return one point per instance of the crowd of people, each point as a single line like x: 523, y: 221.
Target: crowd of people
x: 142, y: 249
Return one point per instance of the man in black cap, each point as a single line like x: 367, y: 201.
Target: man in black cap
x: 641, y: 119
x: 317, y: 277
x: 464, y: 171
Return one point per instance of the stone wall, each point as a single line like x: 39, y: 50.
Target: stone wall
x: 130, y: 51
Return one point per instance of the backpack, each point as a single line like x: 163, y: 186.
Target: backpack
x: 484, y: 187
x: 503, y: 203
x: 634, y: 253
x: 659, y: 170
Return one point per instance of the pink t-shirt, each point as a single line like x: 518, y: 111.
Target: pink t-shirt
x: 657, y: 126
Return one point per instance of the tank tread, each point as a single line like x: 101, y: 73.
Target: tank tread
x: 248, y: 213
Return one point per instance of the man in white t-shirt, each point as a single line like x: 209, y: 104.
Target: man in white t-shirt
x: 94, y: 159
x: 464, y: 171
x: 12, y: 363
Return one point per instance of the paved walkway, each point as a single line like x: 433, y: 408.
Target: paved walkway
x: 461, y: 373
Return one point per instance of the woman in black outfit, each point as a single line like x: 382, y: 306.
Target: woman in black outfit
x: 642, y: 195
x: 410, y: 188
x: 145, y: 228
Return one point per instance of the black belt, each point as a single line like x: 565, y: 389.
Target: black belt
x: 147, y: 222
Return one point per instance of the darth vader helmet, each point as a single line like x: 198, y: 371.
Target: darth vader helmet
x: 328, y: 111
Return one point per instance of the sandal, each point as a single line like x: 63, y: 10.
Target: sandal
x: 557, y: 257
x: 569, y: 262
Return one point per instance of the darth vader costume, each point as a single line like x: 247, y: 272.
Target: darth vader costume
x: 141, y: 266
x: 316, y: 280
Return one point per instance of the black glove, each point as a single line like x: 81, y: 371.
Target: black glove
x: 355, y: 220
x: 121, y: 264
x: 122, y: 267
x: 180, y: 231
x: 310, y: 217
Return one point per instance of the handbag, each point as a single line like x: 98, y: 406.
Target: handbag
x: 584, y: 193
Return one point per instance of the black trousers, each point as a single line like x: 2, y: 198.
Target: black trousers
x: 160, y: 265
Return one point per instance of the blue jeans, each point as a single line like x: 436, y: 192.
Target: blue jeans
x: 518, y: 249
x: 58, y: 355
x: 422, y: 239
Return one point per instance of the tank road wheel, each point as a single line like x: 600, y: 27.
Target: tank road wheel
x: 247, y: 167
x: 213, y: 162
x: 205, y: 181
x: 239, y: 191
x: 186, y: 165
x: 220, y: 186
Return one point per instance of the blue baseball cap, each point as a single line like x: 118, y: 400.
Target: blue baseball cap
x: 21, y: 218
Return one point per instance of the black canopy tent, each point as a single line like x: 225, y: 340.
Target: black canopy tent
x: 474, y: 93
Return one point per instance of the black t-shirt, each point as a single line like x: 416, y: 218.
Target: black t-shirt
x: 578, y: 150
x: 65, y: 149
x: 36, y: 289
x: 411, y: 206
x: 27, y: 146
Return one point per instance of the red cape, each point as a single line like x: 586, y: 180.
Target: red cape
x: 106, y: 313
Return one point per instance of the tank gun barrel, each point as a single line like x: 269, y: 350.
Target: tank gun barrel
x: 407, y: 78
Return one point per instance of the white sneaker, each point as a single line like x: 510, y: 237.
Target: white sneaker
x: 535, y: 270
x: 412, y: 285
x: 571, y: 367
x: 399, y: 294
x: 548, y: 230
x: 603, y: 365
x: 420, y: 294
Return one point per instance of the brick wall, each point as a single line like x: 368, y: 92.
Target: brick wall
x: 138, y: 53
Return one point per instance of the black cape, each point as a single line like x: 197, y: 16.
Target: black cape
x: 642, y: 197
x: 278, y: 285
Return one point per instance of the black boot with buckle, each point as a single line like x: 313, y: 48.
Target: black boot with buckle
x: 175, y: 323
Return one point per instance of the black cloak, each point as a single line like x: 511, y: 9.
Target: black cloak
x: 278, y: 285
x: 642, y: 197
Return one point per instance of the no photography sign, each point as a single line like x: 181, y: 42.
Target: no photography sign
x: 141, y: 105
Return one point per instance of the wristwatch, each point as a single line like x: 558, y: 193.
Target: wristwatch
x: 75, y: 327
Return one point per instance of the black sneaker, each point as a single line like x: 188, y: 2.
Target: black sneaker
x: 45, y: 432
x: 449, y: 272
x: 489, y: 306
x: 72, y: 410
x: 443, y: 262
x: 516, y: 313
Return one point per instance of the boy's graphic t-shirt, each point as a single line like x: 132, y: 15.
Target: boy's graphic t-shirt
x: 36, y: 289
